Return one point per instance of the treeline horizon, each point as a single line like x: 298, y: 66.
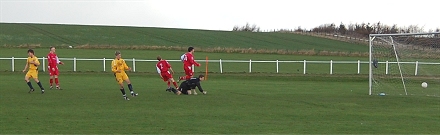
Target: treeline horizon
x: 356, y: 29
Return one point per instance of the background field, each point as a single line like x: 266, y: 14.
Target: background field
x: 235, y: 104
x: 47, y: 35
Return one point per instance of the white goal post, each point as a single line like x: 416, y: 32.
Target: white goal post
x: 392, y: 57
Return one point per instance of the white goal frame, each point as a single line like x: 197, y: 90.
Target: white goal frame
x: 371, y: 39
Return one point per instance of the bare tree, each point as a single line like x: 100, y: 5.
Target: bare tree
x: 342, y: 29
x: 247, y: 27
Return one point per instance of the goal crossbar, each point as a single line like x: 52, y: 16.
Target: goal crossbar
x: 376, y: 35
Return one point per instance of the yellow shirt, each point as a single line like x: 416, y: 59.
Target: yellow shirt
x: 33, y: 66
x: 119, y: 64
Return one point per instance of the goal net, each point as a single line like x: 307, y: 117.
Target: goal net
x: 400, y: 63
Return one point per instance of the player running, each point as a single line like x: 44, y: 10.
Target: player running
x: 164, y: 68
x: 53, y: 61
x: 33, y: 63
x: 191, y: 84
x: 118, y: 67
x: 188, y: 62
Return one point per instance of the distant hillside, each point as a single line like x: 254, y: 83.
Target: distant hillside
x: 15, y: 34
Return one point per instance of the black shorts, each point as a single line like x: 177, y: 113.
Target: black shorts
x: 184, y: 86
x: 183, y: 90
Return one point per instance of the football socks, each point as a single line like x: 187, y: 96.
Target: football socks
x: 30, y: 85
x: 123, y: 91
x: 130, y: 87
x: 41, y: 86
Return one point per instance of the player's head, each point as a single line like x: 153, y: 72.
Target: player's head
x: 52, y: 49
x: 191, y: 49
x: 118, y: 54
x: 201, y: 77
x: 30, y: 52
x: 159, y: 58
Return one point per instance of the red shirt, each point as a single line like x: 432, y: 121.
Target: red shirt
x: 52, y: 60
x: 188, y: 60
x: 162, y: 66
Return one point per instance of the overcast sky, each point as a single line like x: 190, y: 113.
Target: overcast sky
x: 222, y: 14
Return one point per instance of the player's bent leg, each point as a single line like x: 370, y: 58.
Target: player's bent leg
x: 120, y: 81
x: 39, y: 84
x: 130, y: 87
x: 121, y: 85
x: 181, y: 78
x: 174, y: 83
x: 26, y: 78
x: 189, y: 75
x: 31, y: 88
x: 121, y: 88
x: 175, y: 91
x: 36, y: 80
x: 194, y: 91
x: 127, y: 81
x: 169, y: 89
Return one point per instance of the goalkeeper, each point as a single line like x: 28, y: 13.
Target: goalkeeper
x: 191, y: 84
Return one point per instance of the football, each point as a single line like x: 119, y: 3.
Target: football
x: 424, y: 84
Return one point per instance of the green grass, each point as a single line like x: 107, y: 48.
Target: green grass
x: 53, y: 35
x: 235, y: 104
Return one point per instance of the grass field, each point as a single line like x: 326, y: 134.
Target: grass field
x: 54, y: 35
x: 235, y: 104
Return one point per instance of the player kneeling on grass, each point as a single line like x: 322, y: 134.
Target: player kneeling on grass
x: 191, y: 84
x: 118, y: 67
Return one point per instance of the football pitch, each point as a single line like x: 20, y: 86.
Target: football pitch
x: 238, y: 102
x: 90, y: 103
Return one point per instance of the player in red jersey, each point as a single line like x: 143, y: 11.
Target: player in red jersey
x: 53, y: 62
x: 188, y: 62
x: 164, y: 68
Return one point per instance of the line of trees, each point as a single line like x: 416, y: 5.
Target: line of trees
x: 357, y: 29
x: 364, y: 29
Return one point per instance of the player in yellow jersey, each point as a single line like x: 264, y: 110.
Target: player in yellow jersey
x: 33, y: 63
x: 119, y: 67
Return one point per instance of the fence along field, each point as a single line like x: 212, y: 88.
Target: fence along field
x: 241, y: 66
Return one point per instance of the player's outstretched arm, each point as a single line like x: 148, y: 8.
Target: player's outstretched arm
x: 199, y: 87
x: 26, y: 66
x: 58, y: 61
x: 126, y: 66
